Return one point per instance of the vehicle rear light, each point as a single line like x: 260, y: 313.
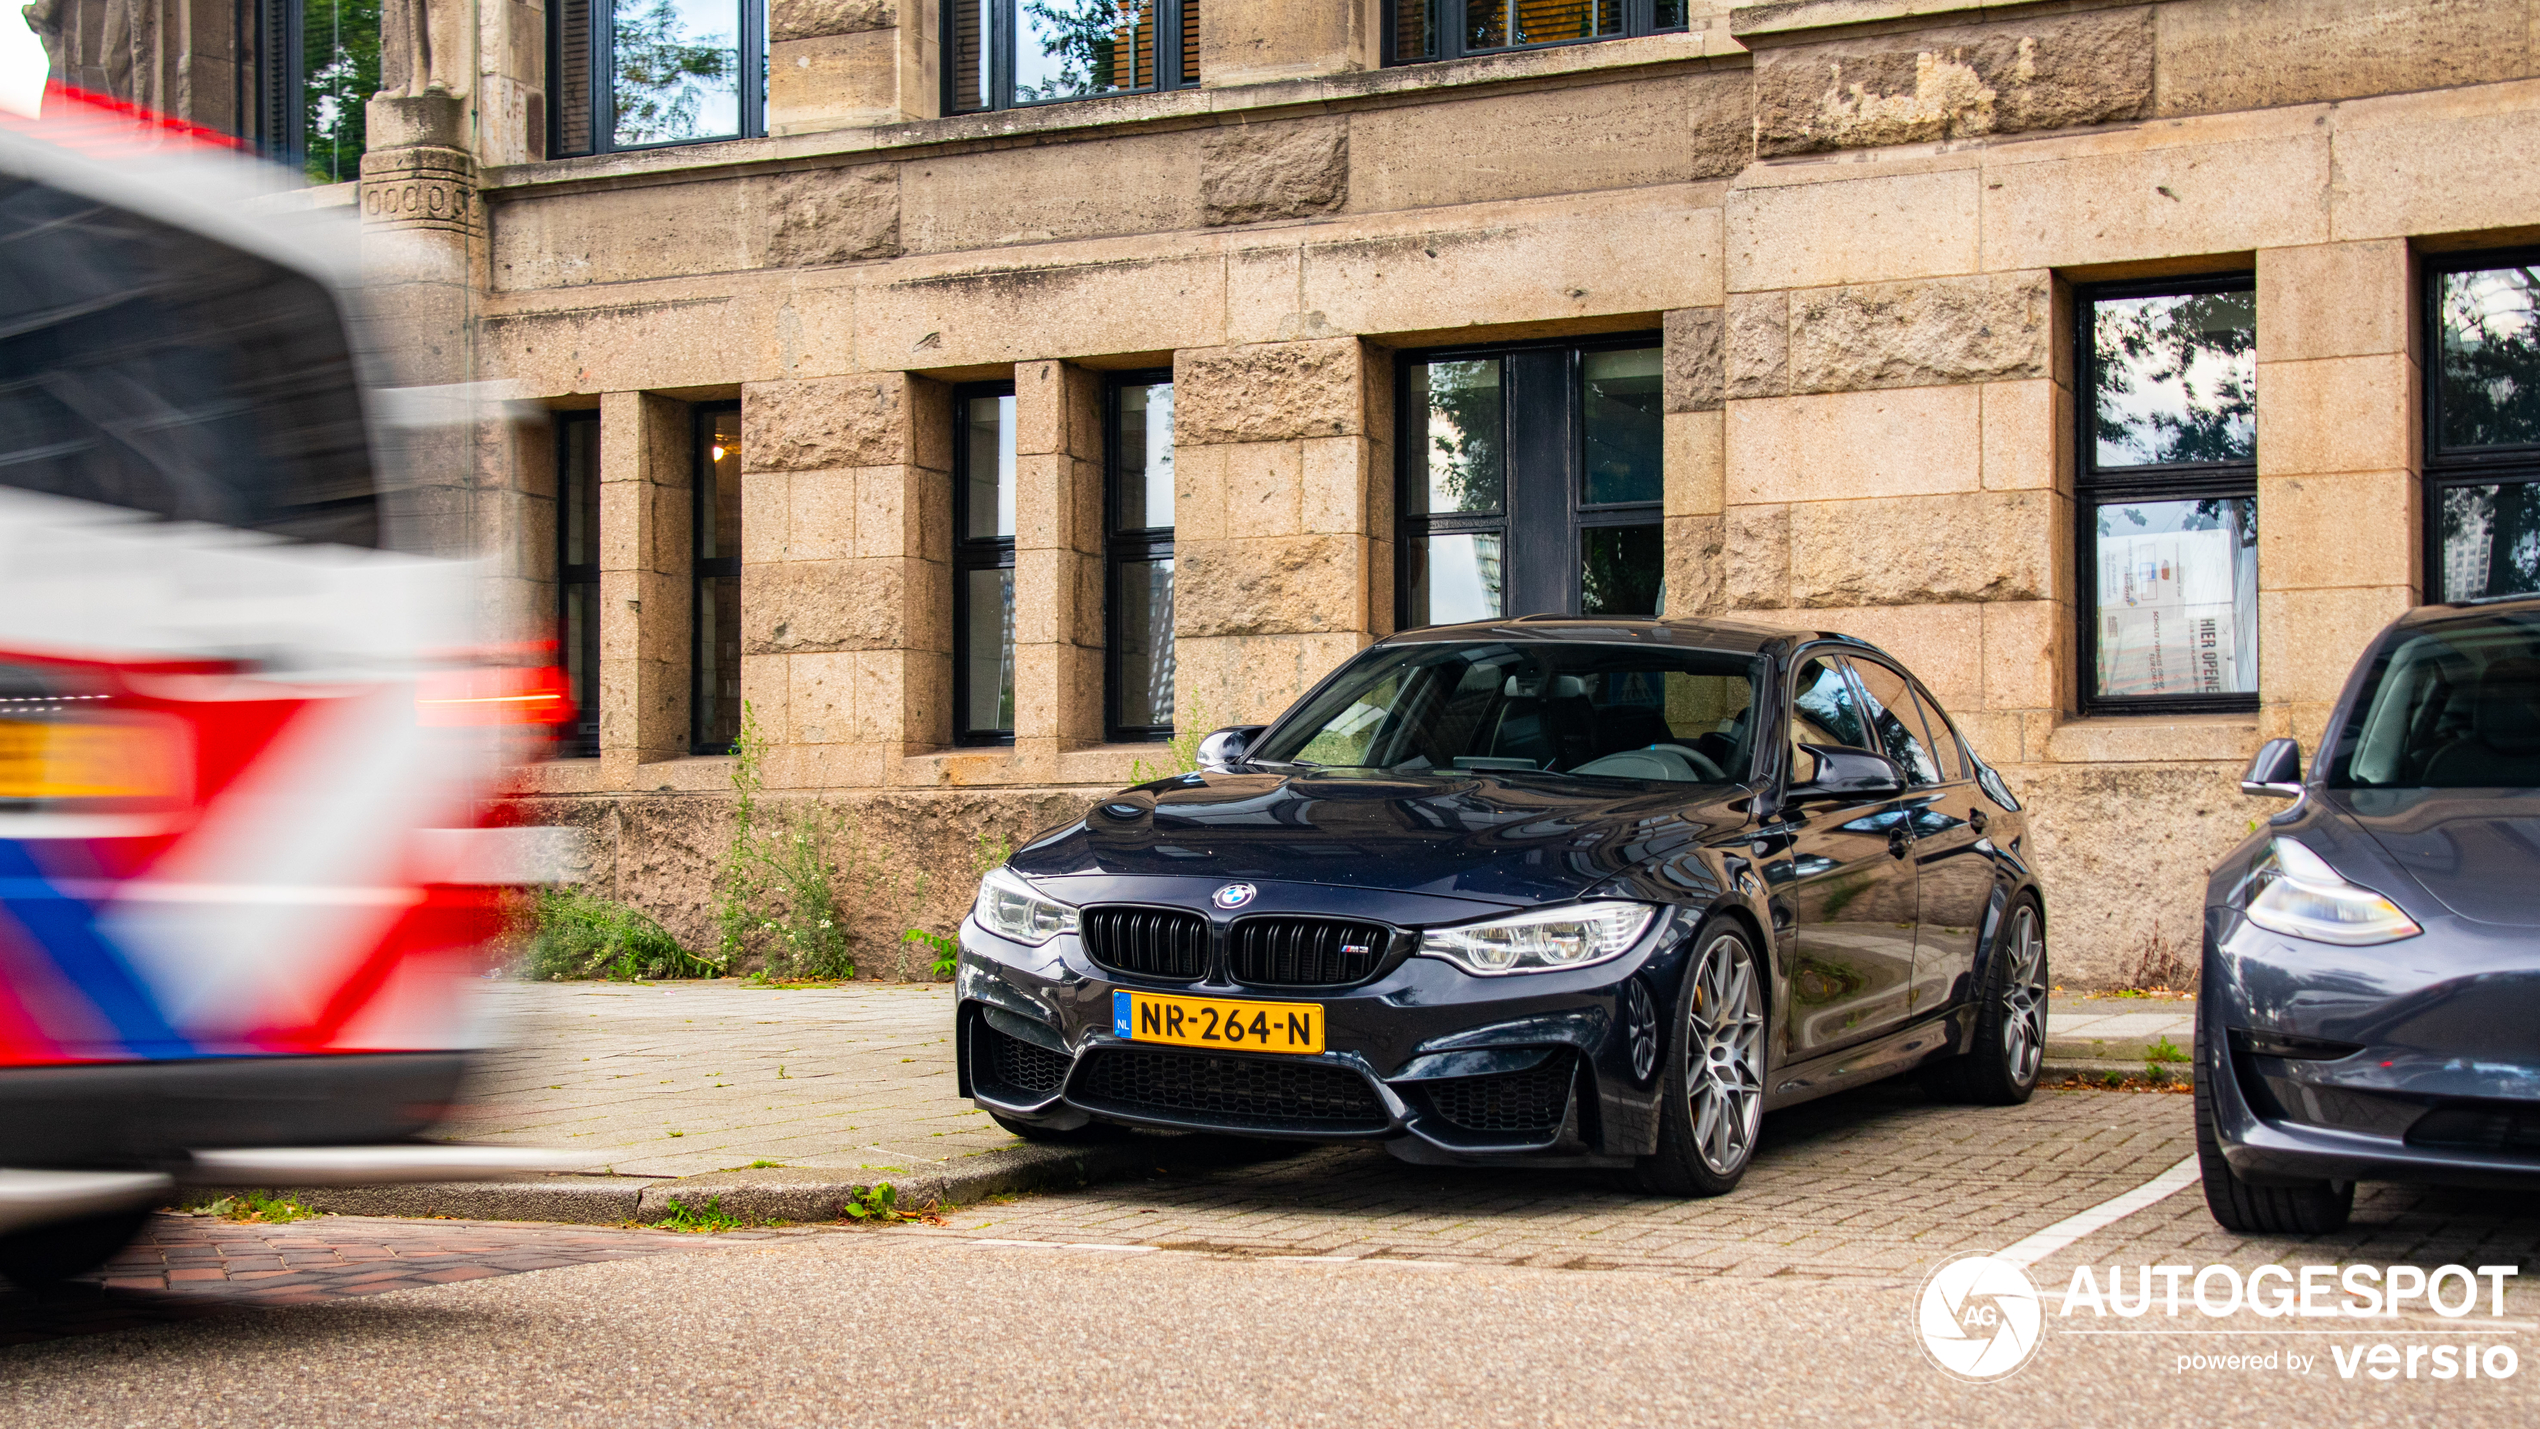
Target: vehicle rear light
x: 495, y: 695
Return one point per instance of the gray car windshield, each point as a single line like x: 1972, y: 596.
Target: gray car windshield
x: 2450, y: 705
x: 1611, y: 711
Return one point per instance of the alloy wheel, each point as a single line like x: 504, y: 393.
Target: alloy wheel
x: 2024, y: 997
x: 1723, y: 1055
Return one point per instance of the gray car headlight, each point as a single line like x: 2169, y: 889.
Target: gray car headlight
x: 2293, y: 891
x: 1571, y: 935
x: 1012, y: 908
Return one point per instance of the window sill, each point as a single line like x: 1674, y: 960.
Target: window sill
x: 2154, y: 739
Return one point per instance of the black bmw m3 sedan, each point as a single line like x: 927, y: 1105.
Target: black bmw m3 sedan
x: 1558, y: 892
x: 2371, y: 996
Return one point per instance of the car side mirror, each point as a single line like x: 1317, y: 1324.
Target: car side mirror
x: 1848, y: 774
x: 1223, y: 749
x: 2277, y: 771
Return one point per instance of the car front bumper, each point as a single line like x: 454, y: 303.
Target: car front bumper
x: 1438, y: 1064
x: 2413, y: 1061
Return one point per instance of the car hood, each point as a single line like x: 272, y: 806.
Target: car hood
x: 1511, y: 837
x: 2475, y: 851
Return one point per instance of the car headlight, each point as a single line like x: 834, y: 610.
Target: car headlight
x: 1012, y: 908
x: 2293, y: 891
x: 1569, y: 936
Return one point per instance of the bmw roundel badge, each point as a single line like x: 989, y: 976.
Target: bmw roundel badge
x: 1234, y: 895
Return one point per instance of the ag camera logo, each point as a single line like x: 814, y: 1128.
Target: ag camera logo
x: 1980, y: 1318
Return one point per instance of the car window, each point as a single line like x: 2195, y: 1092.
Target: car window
x: 1823, y: 708
x: 1946, y: 746
x: 1897, y: 723
x: 1608, y: 710
x: 2453, y: 704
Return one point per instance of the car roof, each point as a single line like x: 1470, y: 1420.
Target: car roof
x: 2483, y: 605
x: 1700, y: 633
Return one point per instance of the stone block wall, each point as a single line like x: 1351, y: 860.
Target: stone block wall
x: 1857, y: 225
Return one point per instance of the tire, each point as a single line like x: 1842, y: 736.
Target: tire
x: 1092, y: 1131
x: 2310, y: 1208
x: 45, y: 1255
x: 1711, y: 1098
x: 2001, y: 1068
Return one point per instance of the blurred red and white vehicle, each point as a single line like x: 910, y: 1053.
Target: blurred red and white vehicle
x: 243, y: 740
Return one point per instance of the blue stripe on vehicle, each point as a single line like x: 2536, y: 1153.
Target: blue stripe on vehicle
x: 1120, y: 1014
x: 65, y: 930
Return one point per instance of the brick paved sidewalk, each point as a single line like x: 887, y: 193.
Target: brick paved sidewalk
x: 674, y: 1079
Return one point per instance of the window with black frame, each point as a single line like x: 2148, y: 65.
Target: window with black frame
x: 578, y: 573
x: 1138, y: 559
x: 1531, y: 481
x: 1419, y: 31
x: 2482, y: 430
x: 317, y: 66
x: 635, y: 74
x: 983, y: 564
x: 714, y: 701
x: 1004, y: 53
x: 2168, y: 495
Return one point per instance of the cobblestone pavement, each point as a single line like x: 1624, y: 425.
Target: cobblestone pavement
x: 185, y: 1266
x: 680, y: 1078
x: 674, y: 1079
x: 1878, y: 1182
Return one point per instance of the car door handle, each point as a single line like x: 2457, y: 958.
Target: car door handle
x: 1899, y: 843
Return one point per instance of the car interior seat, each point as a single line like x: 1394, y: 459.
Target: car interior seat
x: 2501, y: 747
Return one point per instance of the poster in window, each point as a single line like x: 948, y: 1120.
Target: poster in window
x: 2169, y: 617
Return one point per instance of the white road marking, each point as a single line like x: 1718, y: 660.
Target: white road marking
x: 2099, y: 1217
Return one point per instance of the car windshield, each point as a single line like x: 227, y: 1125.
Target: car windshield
x: 1615, y: 711
x: 2451, y: 705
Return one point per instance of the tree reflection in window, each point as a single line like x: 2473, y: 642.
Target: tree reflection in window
x: 1068, y: 49
x: 339, y: 72
x: 2491, y: 357
x: 2175, y: 378
x: 677, y: 78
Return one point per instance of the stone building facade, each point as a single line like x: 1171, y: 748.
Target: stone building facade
x: 1872, y: 243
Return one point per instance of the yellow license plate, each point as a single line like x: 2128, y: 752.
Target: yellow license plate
x: 41, y: 759
x: 1216, y: 1022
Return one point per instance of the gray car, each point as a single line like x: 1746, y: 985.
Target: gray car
x: 2371, y: 1006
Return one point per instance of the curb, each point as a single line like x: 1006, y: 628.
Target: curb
x: 2091, y: 1069
x: 797, y: 1194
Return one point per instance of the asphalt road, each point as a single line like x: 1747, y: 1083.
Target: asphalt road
x: 1334, y: 1287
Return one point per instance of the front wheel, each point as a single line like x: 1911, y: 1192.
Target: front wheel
x: 50, y: 1254
x: 1712, y: 1097
x: 2010, y: 1044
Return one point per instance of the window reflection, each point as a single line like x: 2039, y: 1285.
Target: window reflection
x: 989, y: 650
x: 1461, y: 434
x: 678, y: 70
x: 2490, y: 540
x: 1068, y: 49
x: 1455, y: 578
x: 2491, y: 357
x: 1500, y: 24
x: 989, y: 431
x: 1144, y: 444
x: 1621, y: 571
x: 1625, y: 426
x: 2178, y: 597
x: 2175, y: 378
x: 1142, y: 592
x: 339, y: 71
